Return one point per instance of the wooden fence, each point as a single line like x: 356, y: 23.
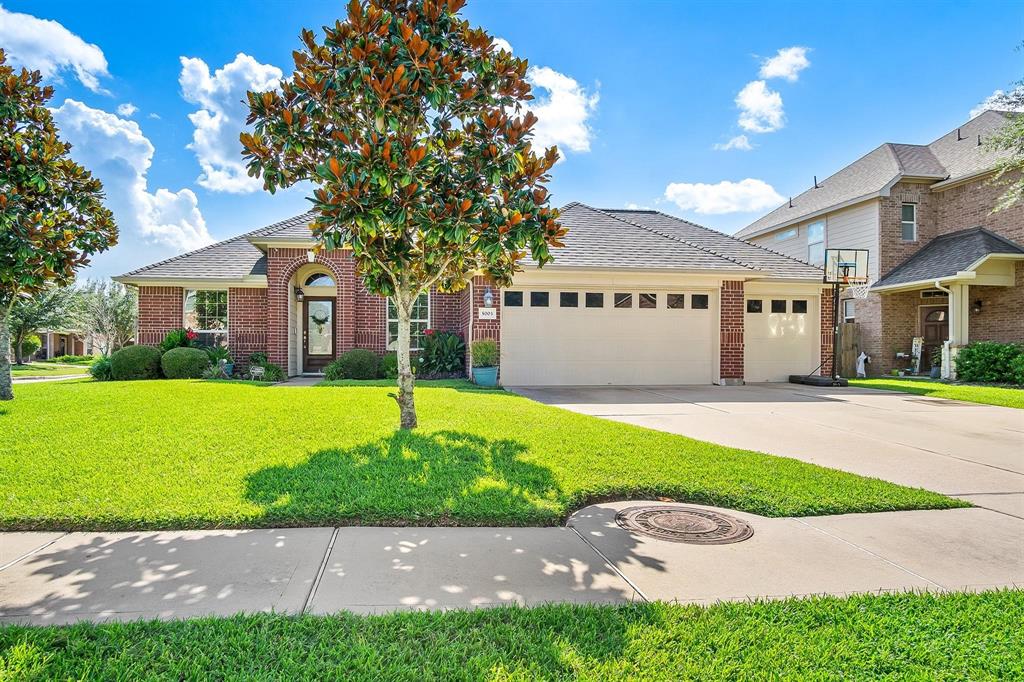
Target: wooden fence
x: 849, y: 348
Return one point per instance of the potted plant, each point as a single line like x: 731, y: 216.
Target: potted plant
x: 936, y: 370
x: 219, y: 355
x: 485, y: 362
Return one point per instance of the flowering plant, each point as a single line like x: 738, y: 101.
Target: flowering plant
x: 191, y: 335
x: 428, y: 332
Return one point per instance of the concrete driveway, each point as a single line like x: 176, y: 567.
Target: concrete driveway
x: 975, y: 452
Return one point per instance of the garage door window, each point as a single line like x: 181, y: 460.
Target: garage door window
x: 648, y: 301
x: 569, y: 299
x: 513, y: 299
x: 538, y: 299
x: 595, y: 300
x: 676, y: 301
x: 754, y: 305
x: 699, y: 301
x: 623, y: 300
x: 800, y: 306
x: 778, y: 306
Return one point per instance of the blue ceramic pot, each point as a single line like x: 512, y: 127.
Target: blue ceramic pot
x: 485, y: 376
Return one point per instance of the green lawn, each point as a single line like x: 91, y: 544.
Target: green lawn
x: 191, y: 454
x: 46, y: 369
x: 899, y: 637
x: 986, y: 395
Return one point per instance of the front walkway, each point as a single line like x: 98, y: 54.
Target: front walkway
x: 974, y: 452
x: 49, y: 578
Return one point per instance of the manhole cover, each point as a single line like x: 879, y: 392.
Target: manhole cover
x: 684, y: 524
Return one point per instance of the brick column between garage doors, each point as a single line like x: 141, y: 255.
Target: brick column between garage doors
x: 731, y: 302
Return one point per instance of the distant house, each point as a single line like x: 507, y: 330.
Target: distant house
x: 62, y: 342
x: 944, y: 266
x: 635, y: 297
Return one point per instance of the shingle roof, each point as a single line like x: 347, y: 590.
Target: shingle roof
x: 232, y: 259
x: 737, y: 250
x: 949, y: 254
x: 955, y: 155
x: 597, y: 239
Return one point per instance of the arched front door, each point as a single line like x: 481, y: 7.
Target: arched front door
x: 317, y: 333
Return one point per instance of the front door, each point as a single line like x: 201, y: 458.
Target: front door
x: 935, y: 330
x: 317, y: 334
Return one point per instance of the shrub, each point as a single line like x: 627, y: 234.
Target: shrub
x: 272, y: 373
x: 184, y: 363
x: 358, y: 363
x: 485, y: 353
x: 100, y: 369
x: 219, y: 353
x: 989, y: 362
x: 1017, y: 369
x: 73, y: 359
x: 260, y: 359
x: 215, y: 372
x: 29, y: 345
x: 135, y: 362
x: 389, y: 366
x: 178, y: 338
x: 443, y: 353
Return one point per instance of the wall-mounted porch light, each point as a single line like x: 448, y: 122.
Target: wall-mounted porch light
x: 488, y: 298
x: 976, y: 308
x: 311, y: 256
x: 299, y: 295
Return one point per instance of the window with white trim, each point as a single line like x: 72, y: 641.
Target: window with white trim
x: 816, y: 243
x: 419, y: 323
x: 206, y: 313
x: 848, y: 310
x: 908, y: 222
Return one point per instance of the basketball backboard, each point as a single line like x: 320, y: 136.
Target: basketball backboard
x: 846, y: 266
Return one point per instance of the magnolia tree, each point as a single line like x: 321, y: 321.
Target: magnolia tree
x: 413, y: 127
x: 51, y: 213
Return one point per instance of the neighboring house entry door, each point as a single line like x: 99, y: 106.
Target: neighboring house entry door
x: 317, y: 334
x: 935, y: 330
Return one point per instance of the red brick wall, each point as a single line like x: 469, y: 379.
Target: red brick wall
x: 160, y: 311
x: 1002, y: 311
x: 247, y: 324
x: 893, y: 250
x: 828, y: 331
x: 731, y: 339
x: 971, y: 205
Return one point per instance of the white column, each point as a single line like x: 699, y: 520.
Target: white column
x: 959, y: 314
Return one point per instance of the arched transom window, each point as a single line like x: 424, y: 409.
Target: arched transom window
x: 319, y: 279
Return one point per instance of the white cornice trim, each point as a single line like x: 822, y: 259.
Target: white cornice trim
x: 249, y: 282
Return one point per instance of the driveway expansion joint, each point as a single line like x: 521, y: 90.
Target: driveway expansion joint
x: 610, y: 565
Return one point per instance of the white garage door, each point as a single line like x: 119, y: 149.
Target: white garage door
x: 594, y: 337
x: 781, y: 336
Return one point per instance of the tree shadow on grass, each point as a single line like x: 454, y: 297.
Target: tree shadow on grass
x: 411, y: 478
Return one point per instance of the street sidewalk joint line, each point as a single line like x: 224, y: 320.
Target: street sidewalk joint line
x: 320, y: 573
x: 610, y: 565
x: 34, y: 551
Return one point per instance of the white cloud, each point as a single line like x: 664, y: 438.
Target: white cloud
x: 502, y: 44
x: 760, y: 108
x: 562, y: 114
x: 155, y: 117
x: 221, y: 117
x: 739, y: 142
x: 117, y: 152
x: 46, y: 46
x: 787, y: 63
x: 1001, y: 101
x: 127, y: 109
x: 637, y: 207
x: 744, y: 196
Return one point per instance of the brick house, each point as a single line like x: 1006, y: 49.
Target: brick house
x: 944, y: 265
x: 635, y: 297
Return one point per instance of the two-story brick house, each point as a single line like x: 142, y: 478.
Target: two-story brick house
x: 944, y: 265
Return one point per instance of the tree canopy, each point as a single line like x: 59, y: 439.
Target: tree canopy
x: 52, y: 217
x: 415, y: 130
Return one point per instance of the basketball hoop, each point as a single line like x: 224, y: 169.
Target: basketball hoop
x: 859, y: 290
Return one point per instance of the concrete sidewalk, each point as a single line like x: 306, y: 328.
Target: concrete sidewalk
x: 49, y: 578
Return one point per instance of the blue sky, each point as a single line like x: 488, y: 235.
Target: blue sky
x: 636, y: 94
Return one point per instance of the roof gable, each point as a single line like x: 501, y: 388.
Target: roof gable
x: 948, y: 254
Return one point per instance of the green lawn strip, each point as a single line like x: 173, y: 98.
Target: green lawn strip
x: 195, y: 454
x: 985, y: 395
x: 460, y: 384
x: 901, y: 636
x: 46, y: 369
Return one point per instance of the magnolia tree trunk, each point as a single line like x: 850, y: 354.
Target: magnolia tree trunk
x: 406, y: 402
x: 6, y: 389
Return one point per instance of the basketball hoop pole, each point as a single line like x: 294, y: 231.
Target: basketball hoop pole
x: 835, y: 333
